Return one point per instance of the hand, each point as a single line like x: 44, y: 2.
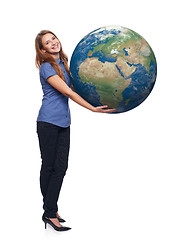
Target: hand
x: 102, y: 109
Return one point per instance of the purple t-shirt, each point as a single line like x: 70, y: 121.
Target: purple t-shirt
x: 54, y: 108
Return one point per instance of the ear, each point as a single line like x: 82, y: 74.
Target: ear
x: 43, y: 50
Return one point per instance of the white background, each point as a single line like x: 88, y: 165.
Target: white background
x: 117, y: 184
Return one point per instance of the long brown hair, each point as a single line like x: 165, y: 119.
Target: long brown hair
x: 42, y: 57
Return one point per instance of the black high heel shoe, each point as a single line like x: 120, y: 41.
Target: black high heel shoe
x: 60, y: 219
x: 47, y: 220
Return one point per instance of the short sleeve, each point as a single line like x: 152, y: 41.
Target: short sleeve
x: 47, y: 70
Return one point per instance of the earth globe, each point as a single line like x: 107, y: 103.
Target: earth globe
x: 113, y: 66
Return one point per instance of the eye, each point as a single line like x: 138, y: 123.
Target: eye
x: 47, y: 42
x: 53, y: 37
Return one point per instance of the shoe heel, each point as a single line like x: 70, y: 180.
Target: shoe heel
x: 45, y: 225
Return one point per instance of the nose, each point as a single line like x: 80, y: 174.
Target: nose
x: 54, y: 42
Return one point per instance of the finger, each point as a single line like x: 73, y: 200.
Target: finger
x: 101, y: 107
x: 110, y: 110
x: 105, y: 106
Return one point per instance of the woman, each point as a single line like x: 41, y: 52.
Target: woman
x: 53, y: 122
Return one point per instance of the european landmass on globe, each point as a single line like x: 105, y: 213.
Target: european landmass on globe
x: 113, y: 66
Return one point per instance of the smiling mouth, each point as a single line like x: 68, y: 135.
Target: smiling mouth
x: 56, y: 46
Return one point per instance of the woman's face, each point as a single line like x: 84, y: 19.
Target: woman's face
x: 51, y: 44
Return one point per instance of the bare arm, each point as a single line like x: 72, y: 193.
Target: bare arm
x: 62, y: 87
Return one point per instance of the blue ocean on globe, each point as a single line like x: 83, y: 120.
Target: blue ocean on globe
x: 113, y: 66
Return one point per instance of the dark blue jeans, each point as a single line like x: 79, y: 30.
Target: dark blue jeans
x: 54, y: 142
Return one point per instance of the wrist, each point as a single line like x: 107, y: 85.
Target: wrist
x: 93, y: 109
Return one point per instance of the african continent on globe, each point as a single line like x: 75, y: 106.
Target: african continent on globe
x: 113, y: 66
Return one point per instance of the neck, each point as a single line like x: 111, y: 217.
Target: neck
x: 56, y: 56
